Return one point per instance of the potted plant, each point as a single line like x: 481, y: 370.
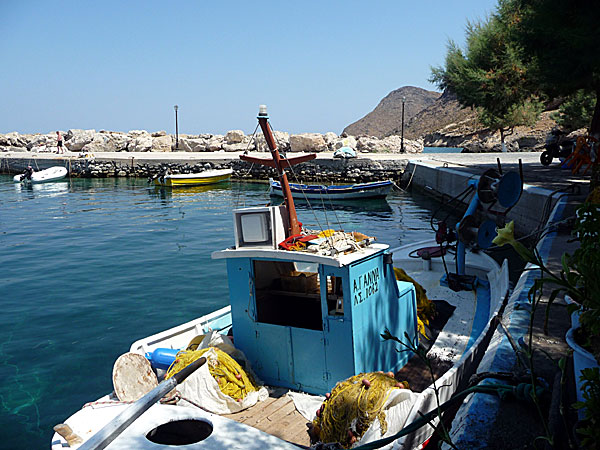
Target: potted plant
x: 582, y: 270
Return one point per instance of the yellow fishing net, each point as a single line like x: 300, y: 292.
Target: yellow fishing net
x: 352, y: 406
x: 231, y: 378
x: 425, y: 307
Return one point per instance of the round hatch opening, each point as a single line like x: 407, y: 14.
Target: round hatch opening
x: 180, y: 432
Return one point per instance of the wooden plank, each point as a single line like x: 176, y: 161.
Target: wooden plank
x: 244, y: 416
x: 297, y: 431
x: 277, y: 416
x: 286, y: 408
x: 265, y: 413
x: 290, y: 427
x: 258, y: 412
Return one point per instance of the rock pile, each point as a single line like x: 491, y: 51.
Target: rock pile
x: 92, y: 141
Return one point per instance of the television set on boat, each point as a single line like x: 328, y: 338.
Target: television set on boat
x: 262, y: 227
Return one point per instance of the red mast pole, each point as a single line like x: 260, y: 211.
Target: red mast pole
x: 279, y: 164
x: 295, y: 227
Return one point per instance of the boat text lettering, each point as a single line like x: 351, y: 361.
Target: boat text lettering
x: 365, y: 285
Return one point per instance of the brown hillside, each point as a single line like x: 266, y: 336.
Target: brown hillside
x: 387, y: 116
x: 445, y: 113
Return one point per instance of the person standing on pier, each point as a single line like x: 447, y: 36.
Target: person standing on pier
x: 59, y: 143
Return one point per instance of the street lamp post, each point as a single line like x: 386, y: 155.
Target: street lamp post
x: 402, y: 141
x: 176, y: 129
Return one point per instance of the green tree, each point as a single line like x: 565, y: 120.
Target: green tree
x: 489, y: 75
x: 560, y: 40
x: 576, y: 111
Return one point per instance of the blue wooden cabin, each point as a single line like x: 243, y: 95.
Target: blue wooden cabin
x: 307, y: 321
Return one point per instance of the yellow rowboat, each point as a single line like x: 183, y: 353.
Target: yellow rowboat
x: 194, y: 179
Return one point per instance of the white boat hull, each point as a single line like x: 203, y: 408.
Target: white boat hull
x: 43, y: 176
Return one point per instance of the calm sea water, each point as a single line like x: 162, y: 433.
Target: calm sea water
x: 89, y: 266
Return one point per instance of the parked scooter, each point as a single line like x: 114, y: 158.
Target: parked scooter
x: 557, y: 146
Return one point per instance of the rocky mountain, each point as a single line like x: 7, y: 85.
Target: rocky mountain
x: 445, y: 111
x: 387, y: 116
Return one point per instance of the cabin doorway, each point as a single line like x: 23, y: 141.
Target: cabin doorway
x: 289, y: 323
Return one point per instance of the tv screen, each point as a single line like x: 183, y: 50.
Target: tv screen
x: 255, y: 228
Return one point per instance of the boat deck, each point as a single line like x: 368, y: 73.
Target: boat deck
x: 277, y: 416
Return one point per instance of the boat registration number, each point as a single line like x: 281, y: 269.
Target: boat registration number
x: 365, y: 285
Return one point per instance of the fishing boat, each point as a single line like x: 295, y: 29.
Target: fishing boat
x: 193, y: 179
x: 306, y: 315
x: 376, y: 189
x: 43, y: 176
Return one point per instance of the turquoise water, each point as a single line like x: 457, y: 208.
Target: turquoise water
x: 89, y: 266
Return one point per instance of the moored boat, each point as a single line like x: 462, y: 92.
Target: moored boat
x: 306, y: 319
x: 193, y: 179
x: 42, y: 176
x: 376, y: 189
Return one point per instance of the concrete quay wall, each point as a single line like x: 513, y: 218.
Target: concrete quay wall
x: 445, y: 183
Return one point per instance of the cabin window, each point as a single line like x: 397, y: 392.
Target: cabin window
x: 288, y: 294
x: 335, y: 296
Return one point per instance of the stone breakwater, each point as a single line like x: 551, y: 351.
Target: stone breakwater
x: 325, y: 169
x: 92, y: 141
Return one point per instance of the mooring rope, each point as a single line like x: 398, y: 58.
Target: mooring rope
x: 334, y: 212
x: 297, y: 180
x: 237, y: 198
x: 409, y: 181
x: 310, y: 206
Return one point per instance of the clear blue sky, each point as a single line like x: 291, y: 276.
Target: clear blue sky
x: 122, y: 65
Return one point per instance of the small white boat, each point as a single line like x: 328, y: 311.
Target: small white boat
x: 43, y: 176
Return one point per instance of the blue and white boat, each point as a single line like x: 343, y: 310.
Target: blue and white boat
x: 376, y: 189
x: 306, y: 320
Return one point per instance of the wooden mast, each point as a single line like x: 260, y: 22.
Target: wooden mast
x: 279, y: 164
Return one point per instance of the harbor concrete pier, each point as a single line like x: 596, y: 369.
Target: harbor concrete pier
x: 446, y: 175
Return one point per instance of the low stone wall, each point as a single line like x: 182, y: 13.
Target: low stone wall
x: 321, y: 170
x: 331, y: 171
